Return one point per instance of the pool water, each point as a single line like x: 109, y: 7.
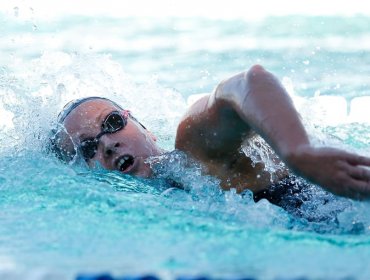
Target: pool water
x: 59, y: 221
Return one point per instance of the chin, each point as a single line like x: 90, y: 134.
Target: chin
x: 145, y: 172
x: 143, y: 169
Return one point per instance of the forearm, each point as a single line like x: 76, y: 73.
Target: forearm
x: 263, y: 103
x: 258, y: 101
x: 214, y: 128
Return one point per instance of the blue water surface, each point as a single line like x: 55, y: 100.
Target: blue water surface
x: 58, y: 221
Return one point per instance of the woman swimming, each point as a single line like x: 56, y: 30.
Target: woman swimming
x: 212, y: 132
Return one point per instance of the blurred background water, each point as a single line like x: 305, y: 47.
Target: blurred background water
x: 58, y: 221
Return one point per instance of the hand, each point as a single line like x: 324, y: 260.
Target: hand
x: 339, y: 172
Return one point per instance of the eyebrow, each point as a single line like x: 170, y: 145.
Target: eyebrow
x: 98, y: 120
x: 105, y: 112
x: 87, y: 133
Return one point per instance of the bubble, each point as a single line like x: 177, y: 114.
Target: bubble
x: 16, y: 11
x: 61, y: 89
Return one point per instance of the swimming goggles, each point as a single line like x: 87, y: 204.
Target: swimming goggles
x: 114, y: 122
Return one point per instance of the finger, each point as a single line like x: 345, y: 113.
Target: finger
x: 358, y: 172
x: 358, y: 160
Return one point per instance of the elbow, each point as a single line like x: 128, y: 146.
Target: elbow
x: 257, y: 75
x: 256, y: 69
x: 236, y: 89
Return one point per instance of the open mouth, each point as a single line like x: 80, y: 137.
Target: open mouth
x: 125, y: 162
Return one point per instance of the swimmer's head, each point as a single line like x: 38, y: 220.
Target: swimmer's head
x: 102, y: 132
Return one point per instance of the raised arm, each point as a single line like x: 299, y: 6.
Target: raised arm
x: 255, y: 101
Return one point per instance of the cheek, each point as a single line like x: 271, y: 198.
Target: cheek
x: 148, y: 142
x: 99, y: 161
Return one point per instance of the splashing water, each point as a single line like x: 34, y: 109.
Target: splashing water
x: 63, y: 220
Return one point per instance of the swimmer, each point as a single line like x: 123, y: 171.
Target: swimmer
x: 212, y: 132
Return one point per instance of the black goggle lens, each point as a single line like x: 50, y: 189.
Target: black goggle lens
x: 89, y: 148
x: 112, y: 123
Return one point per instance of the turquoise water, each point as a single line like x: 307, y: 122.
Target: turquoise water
x: 58, y: 221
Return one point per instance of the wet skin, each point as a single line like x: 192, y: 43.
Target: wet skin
x: 213, y: 131
x: 230, y: 165
x: 133, y: 140
x: 252, y: 102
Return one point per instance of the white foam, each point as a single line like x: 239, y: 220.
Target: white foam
x: 6, y: 118
x: 360, y: 109
x: 327, y: 110
x: 195, y: 97
x: 38, y: 90
x: 324, y: 110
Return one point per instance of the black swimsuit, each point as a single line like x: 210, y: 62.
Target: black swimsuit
x: 303, y: 200
x: 295, y: 195
x: 287, y: 193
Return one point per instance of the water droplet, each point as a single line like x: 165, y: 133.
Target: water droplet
x: 61, y: 89
x: 306, y: 62
x: 16, y: 11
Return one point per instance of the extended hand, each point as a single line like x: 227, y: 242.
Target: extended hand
x: 339, y: 172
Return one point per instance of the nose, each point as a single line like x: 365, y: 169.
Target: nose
x: 109, y: 145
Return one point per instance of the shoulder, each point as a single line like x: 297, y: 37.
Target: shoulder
x: 190, y: 126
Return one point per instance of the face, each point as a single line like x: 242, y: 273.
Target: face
x: 125, y: 150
